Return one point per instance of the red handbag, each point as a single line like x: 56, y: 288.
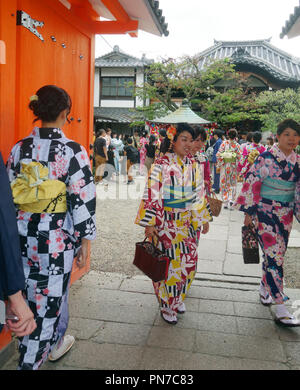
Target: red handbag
x: 151, y: 261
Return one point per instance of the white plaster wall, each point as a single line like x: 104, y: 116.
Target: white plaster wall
x: 117, y: 72
x: 96, y: 88
x: 139, y: 83
x: 117, y: 103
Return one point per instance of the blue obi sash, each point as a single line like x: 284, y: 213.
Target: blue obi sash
x: 178, y: 197
x: 278, y: 190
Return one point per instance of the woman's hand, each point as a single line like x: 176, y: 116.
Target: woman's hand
x: 205, y: 228
x: 83, y: 254
x: 151, y: 231
x: 18, y: 307
x: 247, y: 220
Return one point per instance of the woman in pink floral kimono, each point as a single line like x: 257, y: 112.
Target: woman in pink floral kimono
x: 268, y: 200
x: 228, y: 158
x: 173, y: 211
x: 143, y: 141
x: 250, y: 153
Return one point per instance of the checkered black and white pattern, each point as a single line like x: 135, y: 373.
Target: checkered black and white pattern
x: 49, y: 241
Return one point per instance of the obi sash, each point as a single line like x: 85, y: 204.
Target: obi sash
x: 278, y: 190
x: 178, y: 197
x: 34, y: 192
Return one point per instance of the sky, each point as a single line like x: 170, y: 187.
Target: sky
x: 194, y: 24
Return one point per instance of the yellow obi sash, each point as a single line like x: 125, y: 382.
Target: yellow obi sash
x: 34, y: 192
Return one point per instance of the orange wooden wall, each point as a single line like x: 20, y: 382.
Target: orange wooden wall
x: 31, y: 63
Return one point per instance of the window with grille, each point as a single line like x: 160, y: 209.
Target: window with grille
x: 116, y: 86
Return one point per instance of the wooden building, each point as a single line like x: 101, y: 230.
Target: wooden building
x: 114, y: 99
x: 292, y: 25
x: 52, y: 42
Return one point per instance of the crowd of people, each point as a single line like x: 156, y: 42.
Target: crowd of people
x: 48, y: 206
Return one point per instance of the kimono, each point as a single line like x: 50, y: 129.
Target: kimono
x: 50, y: 239
x: 250, y: 152
x: 268, y: 195
x: 178, y: 220
x: 143, y: 151
x: 202, y: 159
x: 228, y: 170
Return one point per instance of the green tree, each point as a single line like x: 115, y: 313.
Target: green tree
x: 276, y: 106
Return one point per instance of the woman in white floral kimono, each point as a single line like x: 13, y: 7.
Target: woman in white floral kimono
x: 54, y: 193
x: 228, y: 157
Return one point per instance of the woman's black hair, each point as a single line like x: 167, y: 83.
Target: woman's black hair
x: 51, y: 101
x: 218, y: 133
x: 288, y: 123
x: 199, y: 131
x: 249, y: 137
x: 151, y: 139
x: 257, y: 136
x: 232, y: 134
x: 181, y: 127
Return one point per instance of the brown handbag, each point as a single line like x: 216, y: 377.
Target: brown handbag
x: 151, y: 261
x: 215, y: 204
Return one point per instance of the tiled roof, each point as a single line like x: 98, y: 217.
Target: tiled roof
x: 260, y: 53
x: 290, y: 23
x: 119, y: 59
x: 157, y: 15
x: 120, y: 115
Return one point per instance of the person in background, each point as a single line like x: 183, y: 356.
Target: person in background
x: 172, y: 211
x: 150, y: 152
x: 250, y: 153
x: 269, y: 198
x: 56, y: 221
x: 132, y: 156
x: 200, y: 156
x: 228, y: 157
x: 143, y: 142
x: 218, y: 138
x: 160, y: 141
x: 108, y: 138
x: 270, y: 143
x: 117, y: 145
x: 101, y: 156
x: 249, y: 140
x: 12, y: 279
x: 136, y: 140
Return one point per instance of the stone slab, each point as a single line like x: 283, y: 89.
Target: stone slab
x: 210, y: 249
x: 234, y: 265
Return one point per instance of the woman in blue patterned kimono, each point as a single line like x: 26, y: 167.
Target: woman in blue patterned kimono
x: 268, y: 199
x: 54, y: 193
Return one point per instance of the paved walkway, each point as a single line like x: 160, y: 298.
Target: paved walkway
x: 117, y: 325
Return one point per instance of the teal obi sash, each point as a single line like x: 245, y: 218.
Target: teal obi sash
x: 278, y: 190
x: 177, y: 197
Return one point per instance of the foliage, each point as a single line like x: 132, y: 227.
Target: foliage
x: 276, y: 106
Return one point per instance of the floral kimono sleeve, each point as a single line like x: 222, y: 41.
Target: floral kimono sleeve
x: 220, y: 161
x: 81, y: 195
x: 151, y: 210
x: 249, y: 196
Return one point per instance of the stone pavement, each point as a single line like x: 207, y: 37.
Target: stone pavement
x: 117, y: 325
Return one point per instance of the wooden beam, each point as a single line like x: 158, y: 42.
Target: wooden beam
x: 115, y: 27
x: 116, y: 10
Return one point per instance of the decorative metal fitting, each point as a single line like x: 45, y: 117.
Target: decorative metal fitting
x: 25, y: 20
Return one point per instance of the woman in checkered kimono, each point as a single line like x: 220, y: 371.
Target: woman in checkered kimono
x: 56, y: 218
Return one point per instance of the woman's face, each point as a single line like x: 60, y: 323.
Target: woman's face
x: 198, y: 144
x: 288, y: 140
x: 183, y: 144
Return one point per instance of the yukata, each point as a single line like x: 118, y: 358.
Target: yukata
x: 268, y: 196
x: 50, y: 239
x: 228, y: 170
x: 250, y: 153
x: 174, y: 203
x: 143, y: 152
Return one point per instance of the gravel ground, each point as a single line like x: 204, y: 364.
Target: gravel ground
x: 113, y: 250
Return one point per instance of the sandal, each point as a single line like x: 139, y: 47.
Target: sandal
x: 181, y: 309
x: 170, y: 319
x: 293, y: 322
x: 267, y: 300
